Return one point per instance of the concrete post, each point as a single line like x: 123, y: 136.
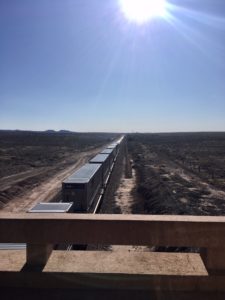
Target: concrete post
x: 214, y: 260
x: 38, y: 254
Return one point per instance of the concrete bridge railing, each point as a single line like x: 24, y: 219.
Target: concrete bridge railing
x: 41, y: 231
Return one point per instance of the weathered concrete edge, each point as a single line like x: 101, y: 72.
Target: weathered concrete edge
x: 111, y: 281
x: 109, y: 217
x: 113, y: 229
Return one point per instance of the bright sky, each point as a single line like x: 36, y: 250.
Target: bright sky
x: 85, y: 65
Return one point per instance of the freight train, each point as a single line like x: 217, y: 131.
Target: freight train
x: 80, y: 189
x: 85, y: 185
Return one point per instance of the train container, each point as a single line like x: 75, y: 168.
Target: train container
x: 111, y: 152
x: 12, y: 246
x: 118, y: 142
x: 107, y: 151
x: 115, y: 147
x: 52, y: 207
x: 41, y: 207
x: 112, y: 146
x: 83, y: 186
x: 106, y: 162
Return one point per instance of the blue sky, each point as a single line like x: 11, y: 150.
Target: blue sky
x: 81, y: 65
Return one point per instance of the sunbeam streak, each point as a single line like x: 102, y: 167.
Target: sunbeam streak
x: 141, y: 11
x: 204, y: 18
x: 199, y: 33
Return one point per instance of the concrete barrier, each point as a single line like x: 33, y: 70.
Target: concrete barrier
x: 42, y: 231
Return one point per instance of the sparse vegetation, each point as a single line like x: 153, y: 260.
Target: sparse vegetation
x: 29, y: 158
x: 181, y: 173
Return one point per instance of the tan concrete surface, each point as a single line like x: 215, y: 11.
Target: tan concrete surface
x: 159, y: 272
x: 106, y: 270
x: 12, y: 260
x: 126, y: 263
x: 195, y: 231
x: 73, y: 216
x: 182, y: 264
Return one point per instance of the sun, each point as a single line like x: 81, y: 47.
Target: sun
x: 141, y: 11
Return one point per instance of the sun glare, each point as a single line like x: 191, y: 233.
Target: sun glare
x: 141, y: 11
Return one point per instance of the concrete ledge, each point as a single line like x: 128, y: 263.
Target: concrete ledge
x: 107, y: 262
x: 95, y: 274
x: 108, y: 275
x: 94, y: 270
x: 180, y: 231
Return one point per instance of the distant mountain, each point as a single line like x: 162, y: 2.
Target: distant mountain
x: 65, y: 131
x: 50, y: 131
x: 59, y: 131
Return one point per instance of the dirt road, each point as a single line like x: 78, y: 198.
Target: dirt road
x: 123, y: 196
x: 124, y: 199
x: 46, y: 190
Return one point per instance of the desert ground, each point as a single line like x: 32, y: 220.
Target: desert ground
x: 34, y: 164
x: 179, y: 173
x: 171, y: 174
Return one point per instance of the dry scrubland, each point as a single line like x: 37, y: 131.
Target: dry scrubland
x: 172, y: 173
x: 28, y: 159
x: 180, y: 173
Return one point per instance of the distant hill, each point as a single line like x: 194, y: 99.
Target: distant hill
x: 58, y: 131
x: 65, y: 131
x: 50, y: 131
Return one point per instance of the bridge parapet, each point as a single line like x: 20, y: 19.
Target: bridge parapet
x: 41, y: 231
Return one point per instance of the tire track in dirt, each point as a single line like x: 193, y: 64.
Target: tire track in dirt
x: 7, y: 181
x: 168, y: 187
x: 48, y: 189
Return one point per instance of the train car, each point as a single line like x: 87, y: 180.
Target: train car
x: 83, y: 186
x: 106, y: 162
x: 111, y: 152
x: 115, y: 147
x: 118, y: 144
x: 112, y: 146
x: 121, y: 138
x: 52, y: 207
